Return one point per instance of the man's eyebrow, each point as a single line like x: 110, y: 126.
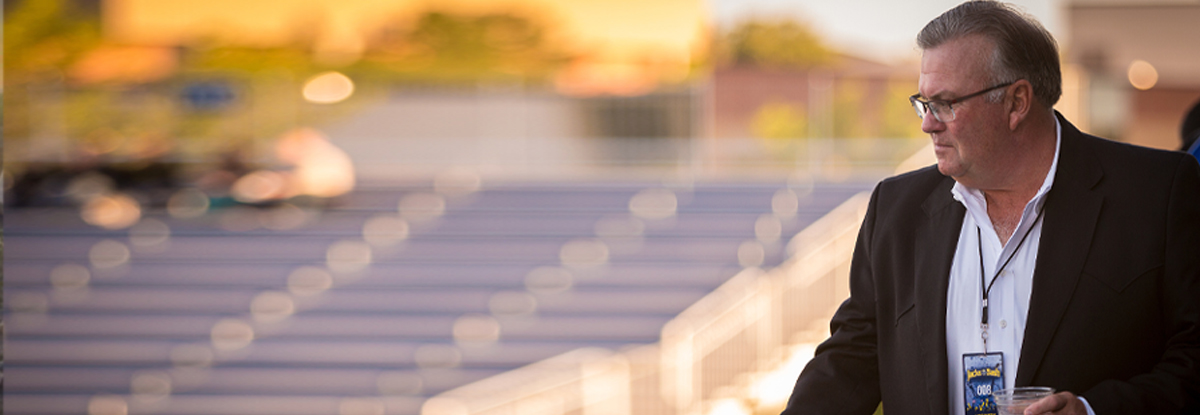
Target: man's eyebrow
x: 939, y: 96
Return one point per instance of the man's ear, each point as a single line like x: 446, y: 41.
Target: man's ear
x: 1020, y: 104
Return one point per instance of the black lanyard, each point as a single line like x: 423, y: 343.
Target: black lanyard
x: 987, y: 289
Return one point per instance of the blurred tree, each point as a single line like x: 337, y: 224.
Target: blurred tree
x: 41, y: 38
x: 899, y: 120
x: 780, y: 121
x: 849, y: 119
x: 45, y: 41
x: 447, y: 47
x: 778, y: 43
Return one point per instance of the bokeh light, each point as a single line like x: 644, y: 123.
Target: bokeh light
x: 89, y: 185
x: 107, y: 405
x: 422, y: 206
x: 385, y: 230
x: 457, y: 182
x: 584, y: 253
x: 285, y: 216
x: 188, y: 202
x: 259, y: 186
x: 1142, y: 75
x: 70, y: 277
x: 751, y: 254
x: 549, y: 280
x: 361, y: 406
x: 654, y: 204
x: 231, y: 334
x: 728, y: 406
x: 108, y: 253
x: 272, y: 306
x: 768, y: 228
x: 328, y: 88
x: 308, y: 281
x: 476, y: 329
x: 115, y: 211
x: 318, y: 168
x: 150, y: 386
x: 512, y: 303
x: 785, y: 203
x: 150, y: 235
x: 348, y: 256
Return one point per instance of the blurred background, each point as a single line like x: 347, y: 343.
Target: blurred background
x: 473, y: 206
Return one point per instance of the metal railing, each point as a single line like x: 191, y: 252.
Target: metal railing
x: 715, y: 349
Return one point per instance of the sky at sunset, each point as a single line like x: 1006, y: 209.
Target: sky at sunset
x: 876, y: 28
x: 670, y: 27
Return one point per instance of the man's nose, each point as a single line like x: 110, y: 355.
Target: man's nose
x: 930, y: 123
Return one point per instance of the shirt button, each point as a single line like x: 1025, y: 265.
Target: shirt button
x: 1003, y: 323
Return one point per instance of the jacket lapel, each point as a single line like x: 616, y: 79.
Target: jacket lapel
x: 937, y: 239
x: 1072, y: 209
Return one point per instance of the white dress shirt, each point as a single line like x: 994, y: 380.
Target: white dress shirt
x: 1008, y: 300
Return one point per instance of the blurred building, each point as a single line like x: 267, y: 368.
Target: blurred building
x: 1138, y: 67
x: 848, y: 97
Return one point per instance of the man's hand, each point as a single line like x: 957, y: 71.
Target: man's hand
x: 1059, y: 403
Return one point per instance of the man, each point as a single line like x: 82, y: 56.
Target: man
x: 1032, y: 255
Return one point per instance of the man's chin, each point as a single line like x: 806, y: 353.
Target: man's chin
x: 945, y: 168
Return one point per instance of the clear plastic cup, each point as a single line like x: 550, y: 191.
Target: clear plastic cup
x: 1013, y: 401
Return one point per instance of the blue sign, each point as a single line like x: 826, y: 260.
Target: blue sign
x: 208, y: 95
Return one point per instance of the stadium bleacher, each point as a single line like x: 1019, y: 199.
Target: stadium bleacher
x: 396, y: 291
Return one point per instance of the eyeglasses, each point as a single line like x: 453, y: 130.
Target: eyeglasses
x: 943, y: 110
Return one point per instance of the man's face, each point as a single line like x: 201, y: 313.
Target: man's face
x: 970, y: 148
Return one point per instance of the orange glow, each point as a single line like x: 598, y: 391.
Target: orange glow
x: 125, y: 64
x: 258, y: 186
x: 595, y: 78
x: 112, y: 211
x: 320, y: 168
x: 644, y: 42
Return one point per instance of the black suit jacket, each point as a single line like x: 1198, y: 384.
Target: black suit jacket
x: 1115, y: 310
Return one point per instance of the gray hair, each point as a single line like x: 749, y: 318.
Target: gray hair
x: 1023, y: 48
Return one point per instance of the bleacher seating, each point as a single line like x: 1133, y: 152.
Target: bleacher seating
x: 285, y: 310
